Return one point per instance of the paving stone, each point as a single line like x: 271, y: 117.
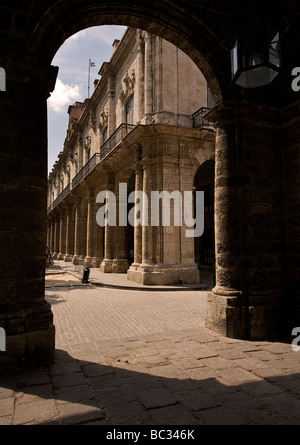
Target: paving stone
x: 6, y: 420
x: 284, y: 403
x: 131, y: 413
x: 156, y: 398
x: 112, y: 396
x: 250, y: 364
x: 184, y: 384
x: 110, y: 380
x: 198, y: 399
x: 32, y: 394
x: 39, y: 377
x: 93, y: 370
x: 218, y: 363
x: 232, y: 354
x: 143, y: 382
x: 71, y: 379
x: 64, y: 368
x: 79, y: 413
x: 238, y: 376
x: 201, y: 374
x: 6, y: 392
x: 221, y: 415
x: 35, y: 412
x: 6, y: 407
x: 240, y: 401
x: 73, y: 394
x: 173, y: 415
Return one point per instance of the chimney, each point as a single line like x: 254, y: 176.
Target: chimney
x: 115, y: 44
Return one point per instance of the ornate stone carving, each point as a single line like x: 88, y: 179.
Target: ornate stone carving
x: 128, y: 86
x: 103, y: 119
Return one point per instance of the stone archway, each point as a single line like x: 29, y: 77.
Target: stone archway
x: 253, y: 214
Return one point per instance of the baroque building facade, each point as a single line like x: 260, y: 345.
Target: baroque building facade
x: 142, y: 128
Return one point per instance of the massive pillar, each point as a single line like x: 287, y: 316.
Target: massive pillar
x: 56, y: 237
x: 109, y: 232
x: 25, y: 315
x: 120, y: 262
x: 62, y: 237
x: 69, y: 236
x: 138, y: 228
x: 90, y: 232
x: 78, y: 228
x: 249, y: 231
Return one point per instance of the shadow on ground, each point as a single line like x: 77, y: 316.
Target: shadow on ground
x: 73, y: 391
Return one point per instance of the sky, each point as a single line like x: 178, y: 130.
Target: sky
x: 72, y: 58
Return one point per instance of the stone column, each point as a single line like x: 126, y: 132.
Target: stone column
x: 120, y: 262
x: 138, y: 229
x: 62, y: 237
x: 245, y: 303
x: 99, y: 245
x: 148, y: 77
x: 106, y: 265
x: 90, y: 238
x: 48, y: 233
x: 56, y: 237
x: 69, y: 233
x: 25, y: 315
x: 51, y: 237
x: 147, y: 238
x: 77, y: 233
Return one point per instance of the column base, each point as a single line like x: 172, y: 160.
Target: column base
x: 77, y: 260
x: 163, y: 274
x: 87, y: 261
x: 96, y: 261
x: 106, y: 266
x: 67, y: 258
x: 245, y: 317
x: 120, y: 266
x: 60, y: 256
x: 30, y: 335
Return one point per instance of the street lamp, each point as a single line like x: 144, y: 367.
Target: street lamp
x: 255, y: 56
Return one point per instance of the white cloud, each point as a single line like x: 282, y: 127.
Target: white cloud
x: 63, y: 95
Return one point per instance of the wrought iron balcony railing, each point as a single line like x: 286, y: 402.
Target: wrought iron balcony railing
x: 86, y: 169
x: 107, y: 147
x: 199, y: 120
x: 115, y: 138
x: 60, y: 197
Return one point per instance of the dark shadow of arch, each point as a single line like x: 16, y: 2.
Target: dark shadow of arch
x: 83, y: 392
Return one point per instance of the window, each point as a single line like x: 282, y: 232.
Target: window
x: 130, y: 111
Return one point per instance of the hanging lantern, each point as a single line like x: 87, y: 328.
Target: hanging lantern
x: 255, y: 56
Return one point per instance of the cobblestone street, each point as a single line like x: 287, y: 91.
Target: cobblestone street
x: 140, y: 357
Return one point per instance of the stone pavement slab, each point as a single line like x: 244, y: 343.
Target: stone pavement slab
x: 146, y: 358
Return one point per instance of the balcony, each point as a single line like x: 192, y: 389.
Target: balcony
x: 199, y: 120
x: 106, y: 148
x: 86, y: 169
x: 115, y: 138
x: 60, y: 197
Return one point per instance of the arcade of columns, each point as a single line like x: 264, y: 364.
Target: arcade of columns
x: 161, y: 156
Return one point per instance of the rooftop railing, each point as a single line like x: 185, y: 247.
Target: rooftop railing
x: 199, y: 120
